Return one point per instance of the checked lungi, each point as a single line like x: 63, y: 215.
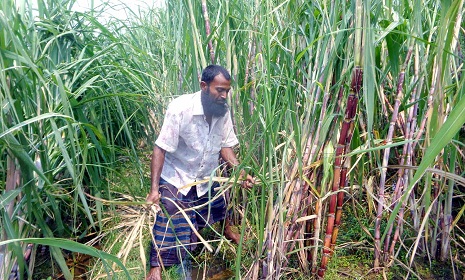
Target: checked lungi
x: 173, y: 235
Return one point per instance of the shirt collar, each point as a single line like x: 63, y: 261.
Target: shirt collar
x: 197, y: 107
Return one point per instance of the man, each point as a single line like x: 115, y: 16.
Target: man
x: 197, y: 129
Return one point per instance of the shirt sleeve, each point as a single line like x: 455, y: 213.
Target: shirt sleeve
x: 169, y: 134
x: 229, y: 137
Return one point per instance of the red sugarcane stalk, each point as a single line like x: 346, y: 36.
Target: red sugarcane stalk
x: 340, y: 201
x: 208, y: 30
x: 343, y: 180
x: 345, y: 134
x: 339, y: 176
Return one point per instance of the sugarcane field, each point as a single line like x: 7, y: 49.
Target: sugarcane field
x: 232, y: 139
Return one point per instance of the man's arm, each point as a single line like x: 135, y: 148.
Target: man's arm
x: 229, y: 157
x: 158, y: 159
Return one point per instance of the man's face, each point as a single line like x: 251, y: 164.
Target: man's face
x: 214, y: 96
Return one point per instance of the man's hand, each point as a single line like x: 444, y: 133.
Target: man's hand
x: 229, y: 157
x: 153, y: 197
x: 247, y: 180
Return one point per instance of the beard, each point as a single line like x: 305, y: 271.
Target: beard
x: 211, y: 107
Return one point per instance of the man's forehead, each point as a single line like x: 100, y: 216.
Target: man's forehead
x: 222, y: 86
x: 220, y: 79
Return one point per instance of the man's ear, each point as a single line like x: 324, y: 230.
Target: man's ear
x: 203, y: 86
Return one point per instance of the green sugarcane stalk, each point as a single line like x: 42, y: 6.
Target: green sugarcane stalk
x: 208, y: 30
x: 447, y: 217
x: 198, y: 49
x: 250, y: 63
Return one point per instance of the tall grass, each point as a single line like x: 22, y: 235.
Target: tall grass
x: 75, y: 91
x: 69, y: 103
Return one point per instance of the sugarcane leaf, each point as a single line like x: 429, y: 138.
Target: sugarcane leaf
x: 368, y: 53
x: 85, y: 205
x: 12, y: 234
x: 16, y: 148
x: 33, y: 120
x: 74, y: 247
x: 8, y: 196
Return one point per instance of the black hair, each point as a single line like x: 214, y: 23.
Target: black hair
x: 211, y: 71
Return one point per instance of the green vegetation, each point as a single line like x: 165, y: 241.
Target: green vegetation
x: 349, y: 114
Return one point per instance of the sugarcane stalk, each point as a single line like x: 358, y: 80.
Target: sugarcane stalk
x: 403, y: 181
x: 447, y: 220
x: 15, y: 270
x: 382, y: 182
x: 250, y: 63
x: 344, y: 138
x: 403, y: 174
x: 198, y: 50
x: 293, y: 193
x: 312, y: 229
x: 340, y: 201
x: 343, y: 182
x: 208, y: 30
x: 315, y: 226
x: 328, y: 158
x: 316, y: 223
x: 339, y: 177
x: 436, y: 218
x: 308, y: 191
x: 296, y: 208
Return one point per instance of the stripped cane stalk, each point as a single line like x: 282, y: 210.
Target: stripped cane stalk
x: 208, y: 30
x: 382, y: 183
x: 328, y: 158
x: 403, y: 174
